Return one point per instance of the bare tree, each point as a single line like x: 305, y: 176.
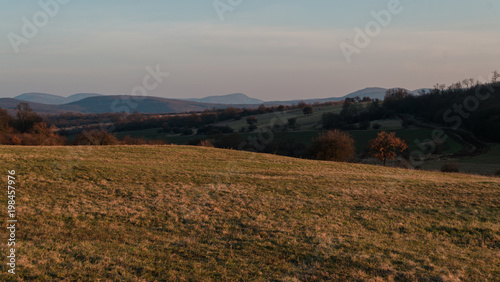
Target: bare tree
x: 495, y: 77
x: 25, y: 118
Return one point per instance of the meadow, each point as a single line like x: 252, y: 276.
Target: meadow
x: 193, y: 213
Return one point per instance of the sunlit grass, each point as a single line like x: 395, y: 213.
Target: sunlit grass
x: 192, y: 213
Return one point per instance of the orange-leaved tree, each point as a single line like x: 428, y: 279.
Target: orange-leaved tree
x: 386, y: 146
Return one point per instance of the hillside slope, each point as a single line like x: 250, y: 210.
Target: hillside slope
x: 148, y: 105
x: 231, y: 99
x: 41, y: 98
x: 10, y: 105
x: 192, y: 213
x: 50, y: 99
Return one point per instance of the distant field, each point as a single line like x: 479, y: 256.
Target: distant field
x: 361, y: 137
x: 483, y: 164
x: 193, y: 213
x: 304, y: 122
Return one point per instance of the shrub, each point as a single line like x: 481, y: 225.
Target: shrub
x: 333, y: 145
x: 252, y: 127
x: 292, y: 123
x: 231, y: 141
x: 450, y: 167
x: 95, y: 137
x: 376, y: 126
x: 128, y: 140
x: 206, y: 143
x: 307, y: 110
x: 364, y: 125
x: 187, y: 131
x: 251, y: 120
x: 39, y: 135
x: 287, y: 147
x: 497, y: 173
x: 214, y: 130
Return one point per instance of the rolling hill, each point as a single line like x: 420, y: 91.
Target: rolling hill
x: 50, y: 99
x: 97, y: 103
x: 110, y: 104
x: 10, y: 105
x: 148, y: 105
x: 193, y: 213
x: 372, y: 92
x: 231, y: 99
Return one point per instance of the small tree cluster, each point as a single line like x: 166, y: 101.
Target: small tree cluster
x: 27, y: 128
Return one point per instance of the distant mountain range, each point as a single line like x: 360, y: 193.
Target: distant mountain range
x: 112, y: 104
x: 231, y: 99
x: 97, y: 103
x: 50, y: 99
x: 372, y: 92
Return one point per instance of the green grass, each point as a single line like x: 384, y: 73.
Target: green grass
x: 493, y: 157
x: 304, y: 122
x: 192, y: 213
x: 487, y: 164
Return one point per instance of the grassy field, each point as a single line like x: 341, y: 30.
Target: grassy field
x: 487, y: 164
x: 304, y: 122
x: 193, y: 213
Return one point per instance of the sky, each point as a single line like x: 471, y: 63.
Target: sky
x: 270, y: 50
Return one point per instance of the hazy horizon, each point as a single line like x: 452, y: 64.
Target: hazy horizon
x: 283, y: 50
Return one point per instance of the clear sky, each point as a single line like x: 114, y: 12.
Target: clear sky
x: 271, y: 50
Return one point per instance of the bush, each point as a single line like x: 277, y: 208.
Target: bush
x: 450, y: 167
x: 364, y: 125
x: 187, y: 131
x: 206, y: 143
x: 95, y: 137
x: 128, y: 140
x: 251, y: 120
x: 307, y: 110
x: 333, y: 145
x: 252, y: 128
x: 231, y: 141
x: 287, y: 147
x: 214, y: 130
x: 376, y: 126
x: 497, y: 173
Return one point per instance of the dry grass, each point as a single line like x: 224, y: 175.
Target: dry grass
x: 194, y: 213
